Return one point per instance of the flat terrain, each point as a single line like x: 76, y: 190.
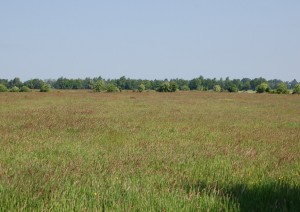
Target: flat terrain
x: 183, y: 151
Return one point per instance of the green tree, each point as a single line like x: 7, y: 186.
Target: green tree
x: 15, y: 82
x: 121, y: 83
x: 87, y: 83
x: 4, y: 82
x: 296, y: 89
x: 76, y: 84
x: 34, y: 83
x: 274, y: 83
x: 257, y: 81
x: 155, y: 85
x: 293, y: 83
x: 62, y: 83
x: 196, y: 83
x: 147, y: 84
x: 246, y: 84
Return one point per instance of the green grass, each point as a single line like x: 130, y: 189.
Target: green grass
x: 184, y: 151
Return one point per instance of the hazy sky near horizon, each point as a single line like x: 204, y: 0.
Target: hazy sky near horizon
x: 154, y: 39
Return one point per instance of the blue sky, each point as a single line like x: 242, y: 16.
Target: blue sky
x: 150, y: 39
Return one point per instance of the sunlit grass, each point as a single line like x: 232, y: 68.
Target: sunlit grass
x: 149, y: 151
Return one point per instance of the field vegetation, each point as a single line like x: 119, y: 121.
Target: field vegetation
x: 139, y: 151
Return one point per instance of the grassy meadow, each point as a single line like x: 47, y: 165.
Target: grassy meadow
x: 183, y: 151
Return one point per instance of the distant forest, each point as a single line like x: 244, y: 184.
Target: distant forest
x: 123, y: 83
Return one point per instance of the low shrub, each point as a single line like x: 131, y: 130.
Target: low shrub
x: 184, y: 88
x: 14, y: 89
x: 282, y: 89
x: 3, y: 88
x: 233, y: 89
x: 141, y: 88
x: 99, y: 86
x: 173, y: 87
x: 164, y: 87
x: 112, y: 88
x: 296, y: 89
x: 45, y: 88
x: 262, y: 88
x: 217, y: 88
x: 168, y: 87
x: 25, y: 89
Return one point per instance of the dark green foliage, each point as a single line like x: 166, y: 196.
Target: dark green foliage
x: 148, y: 84
x: 256, y: 82
x: 16, y: 82
x: 282, y: 89
x: 123, y: 83
x: 34, y: 83
x: 209, y: 84
x: 238, y: 83
x: 76, y: 84
x: 45, y: 88
x: 196, y: 83
x: 246, y: 84
x: 292, y: 84
x: 25, y: 89
x: 156, y: 84
x: 173, y: 87
x: 296, y: 89
x: 64, y: 83
x: 87, y: 83
x: 164, y: 87
x: 233, y: 88
x: 4, y: 82
x: 168, y: 87
x: 182, y: 84
x: 14, y: 89
x: 3, y: 88
x: 274, y: 83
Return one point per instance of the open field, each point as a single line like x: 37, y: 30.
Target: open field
x: 183, y: 151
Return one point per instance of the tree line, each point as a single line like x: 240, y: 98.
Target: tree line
x: 111, y: 85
